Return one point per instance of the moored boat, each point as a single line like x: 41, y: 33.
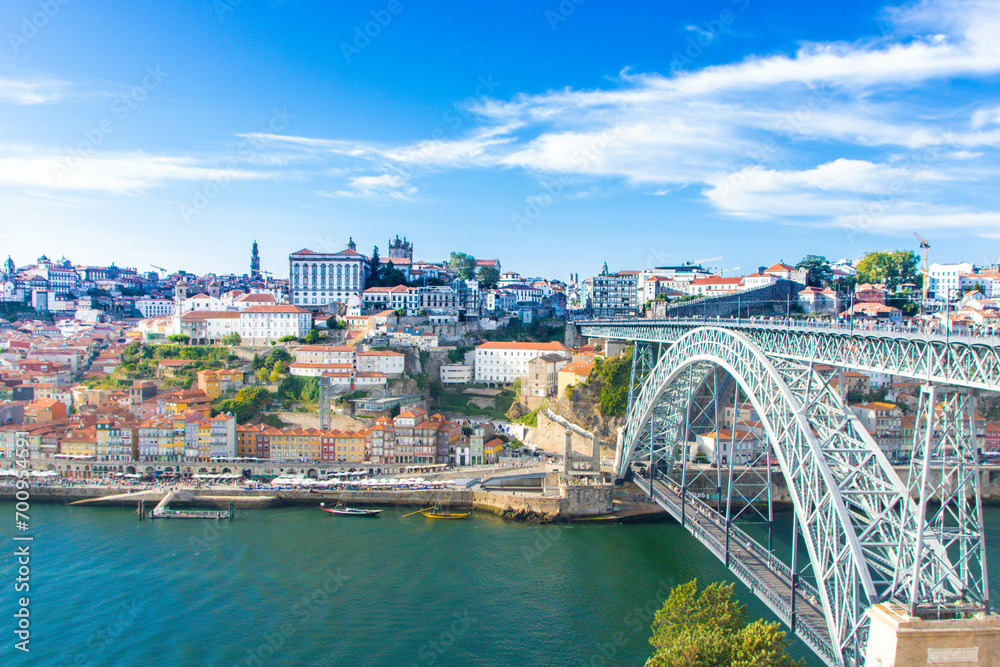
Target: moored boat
x: 439, y: 512
x: 342, y: 510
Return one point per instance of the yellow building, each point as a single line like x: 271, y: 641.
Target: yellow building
x: 571, y: 374
x: 344, y: 446
x: 81, y: 443
x: 217, y: 383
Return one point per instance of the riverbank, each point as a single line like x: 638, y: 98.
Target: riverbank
x: 573, y: 503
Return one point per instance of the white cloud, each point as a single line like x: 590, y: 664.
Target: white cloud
x: 25, y: 92
x: 384, y: 186
x: 811, y: 137
x: 107, y: 172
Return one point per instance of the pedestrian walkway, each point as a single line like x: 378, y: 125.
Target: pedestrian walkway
x: 769, y: 578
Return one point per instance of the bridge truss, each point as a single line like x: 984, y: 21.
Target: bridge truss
x: 867, y: 541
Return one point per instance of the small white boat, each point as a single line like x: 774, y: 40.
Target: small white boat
x: 342, y: 510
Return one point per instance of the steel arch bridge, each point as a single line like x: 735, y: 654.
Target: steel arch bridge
x: 866, y: 539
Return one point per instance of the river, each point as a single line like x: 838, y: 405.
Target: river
x: 296, y: 586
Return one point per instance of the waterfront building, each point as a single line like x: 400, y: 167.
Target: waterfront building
x: 884, y: 423
x: 117, y: 438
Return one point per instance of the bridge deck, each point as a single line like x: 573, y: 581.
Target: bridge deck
x: 767, y: 577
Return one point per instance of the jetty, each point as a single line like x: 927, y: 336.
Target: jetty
x: 162, y: 511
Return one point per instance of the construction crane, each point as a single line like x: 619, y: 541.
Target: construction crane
x: 925, y: 246
x: 158, y: 268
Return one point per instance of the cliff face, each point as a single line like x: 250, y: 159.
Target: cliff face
x: 583, y: 409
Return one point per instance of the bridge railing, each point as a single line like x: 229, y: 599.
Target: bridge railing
x: 983, y: 334
x: 759, y: 587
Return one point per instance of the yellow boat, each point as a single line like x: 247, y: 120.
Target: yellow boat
x: 439, y: 512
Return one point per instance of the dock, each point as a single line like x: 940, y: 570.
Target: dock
x: 162, y: 511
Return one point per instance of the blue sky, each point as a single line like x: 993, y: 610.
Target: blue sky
x: 553, y: 135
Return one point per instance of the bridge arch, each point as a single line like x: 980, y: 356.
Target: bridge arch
x: 853, y: 539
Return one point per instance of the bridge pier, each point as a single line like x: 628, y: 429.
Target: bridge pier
x: 898, y: 639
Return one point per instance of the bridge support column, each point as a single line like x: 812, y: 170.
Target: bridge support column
x: 898, y: 639
x: 944, y: 478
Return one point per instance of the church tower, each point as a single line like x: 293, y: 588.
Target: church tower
x: 254, y: 262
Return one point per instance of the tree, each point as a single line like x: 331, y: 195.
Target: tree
x: 262, y: 374
x: 278, y: 354
x: 374, y: 269
x: 179, y: 338
x: 391, y: 276
x: 287, y: 339
x: 488, y: 277
x: 888, y: 268
x: 231, y: 339
x: 710, y: 630
x: 276, y: 371
x: 464, y: 265
x: 818, y: 271
x: 312, y: 336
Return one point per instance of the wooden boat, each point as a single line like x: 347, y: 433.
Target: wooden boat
x: 342, y: 510
x: 439, y: 512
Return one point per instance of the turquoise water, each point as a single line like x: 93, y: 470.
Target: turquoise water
x: 299, y: 587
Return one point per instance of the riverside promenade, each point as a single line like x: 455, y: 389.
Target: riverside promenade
x: 571, y: 502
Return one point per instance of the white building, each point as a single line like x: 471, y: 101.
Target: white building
x: 502, y: 362
x: 946, y: 279
x: 260, y: 325
x: 208, y: 326
x: 381, y: 361
x: 154, y: 307
x: 319, y: 279
x: 325, y: 354
x: 457, y: 374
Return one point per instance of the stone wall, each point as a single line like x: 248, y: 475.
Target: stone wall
x: 583, y: 500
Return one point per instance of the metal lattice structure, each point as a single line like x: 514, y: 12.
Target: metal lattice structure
x: 949, y: 360
x: 866, y: 539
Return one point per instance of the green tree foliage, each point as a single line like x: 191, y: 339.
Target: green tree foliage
x: 374, y: 268
x: 710, y: 630
x: 179, y: 338
x: 615, y: 375
x: 391, y: 276
x: 818, y: 271
x: 247, y: 403
x: 256, y: 363
x: 297, y: 388
x: 488, y: 277
x: 464, y: 265
x: 457, y: 356
x: 276, y: 370
x: 888, y: 268
x: 232, y: 339
x: 287, y: 339
x: 278, y: 354
x: 312, y: 336
x: 262, y: 374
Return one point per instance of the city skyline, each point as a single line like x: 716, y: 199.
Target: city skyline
x: 750, y: 130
